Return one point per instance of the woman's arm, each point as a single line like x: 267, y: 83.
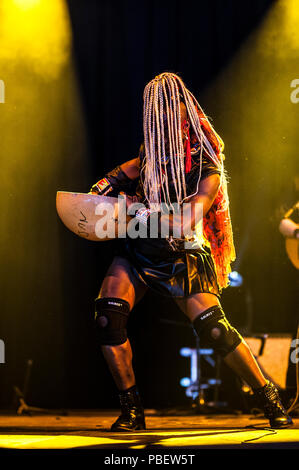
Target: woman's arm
x: 131, y: 168
x: 118, y: 179
x: 196, y: 207
x: 183, y: 222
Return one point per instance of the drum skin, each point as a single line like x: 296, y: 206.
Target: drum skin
x: 90, y: 216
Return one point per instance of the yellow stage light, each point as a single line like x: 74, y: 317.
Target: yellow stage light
x: 26, y: 4
x: 36, y: 32
x: 42, y: 131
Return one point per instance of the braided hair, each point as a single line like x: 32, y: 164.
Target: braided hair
x: 162, y: 122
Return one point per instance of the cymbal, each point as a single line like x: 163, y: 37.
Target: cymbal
x: 90, y: 216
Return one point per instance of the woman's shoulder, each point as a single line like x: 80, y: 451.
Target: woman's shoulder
x: 208, y: 167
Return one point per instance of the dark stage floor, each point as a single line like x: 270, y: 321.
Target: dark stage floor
x: 90, y: 430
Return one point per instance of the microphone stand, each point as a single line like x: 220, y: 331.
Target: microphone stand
x: 20, y: 398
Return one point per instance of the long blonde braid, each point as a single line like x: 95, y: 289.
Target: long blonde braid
x: 162, y: 98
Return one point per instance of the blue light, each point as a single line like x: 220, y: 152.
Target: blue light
x: 185, y: 352
x: 236, y: 279
x: 185, y: 382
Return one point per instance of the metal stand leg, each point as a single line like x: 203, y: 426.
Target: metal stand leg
x: 22, y: 407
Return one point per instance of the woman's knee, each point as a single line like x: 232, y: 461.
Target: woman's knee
x: 215, y: 331
x: 111, y: 317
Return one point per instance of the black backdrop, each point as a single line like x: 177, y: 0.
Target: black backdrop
x: 118, y: 47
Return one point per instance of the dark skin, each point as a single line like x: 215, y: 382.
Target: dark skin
x: 119, y: 282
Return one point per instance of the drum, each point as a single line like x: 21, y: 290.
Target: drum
x: 93, y: 217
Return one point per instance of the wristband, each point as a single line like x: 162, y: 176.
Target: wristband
x: 150, y: 219
x: 102, y: 187
x: 113, y: 182
x: 142, y: 215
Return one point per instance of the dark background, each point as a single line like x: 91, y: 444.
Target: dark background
x: 47, y: 298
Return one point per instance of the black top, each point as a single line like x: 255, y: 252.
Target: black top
x: 191, y: 178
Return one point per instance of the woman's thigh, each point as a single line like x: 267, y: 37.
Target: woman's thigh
x: 194, y: 305
x: 121, y: 283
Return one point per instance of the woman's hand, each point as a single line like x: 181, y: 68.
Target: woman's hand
x: 129, y: 199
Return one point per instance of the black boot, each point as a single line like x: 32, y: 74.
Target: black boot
x: 269, y: 400
x: 132, y: 413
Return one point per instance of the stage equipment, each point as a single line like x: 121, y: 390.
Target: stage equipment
x: 272, y: 354
x: 196, y: 384
x: 20, y: 398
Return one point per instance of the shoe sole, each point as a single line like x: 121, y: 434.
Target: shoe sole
x: 287, y: 425
x: 138, y: 428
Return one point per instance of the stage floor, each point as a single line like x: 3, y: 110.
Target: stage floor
x: 90, y: 430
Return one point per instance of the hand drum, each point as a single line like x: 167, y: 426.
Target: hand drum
x: 96, y: 218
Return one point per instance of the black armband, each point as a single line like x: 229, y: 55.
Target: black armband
x: 113, y: 182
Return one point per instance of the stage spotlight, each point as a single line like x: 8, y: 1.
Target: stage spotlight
x: 26, y: 4
x: 236, y: 279
x: 37, y: 34
x: 43, y: 144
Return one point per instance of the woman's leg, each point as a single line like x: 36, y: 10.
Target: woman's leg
x: 241, y: 360
x: 120, y: 291
x: 120, y: 283
x: 208, y: 319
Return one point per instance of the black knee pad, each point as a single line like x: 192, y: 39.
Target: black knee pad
x: 111, y: 317
x: 216, y: 332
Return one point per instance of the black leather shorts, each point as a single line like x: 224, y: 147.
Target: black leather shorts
x: 179, y: 273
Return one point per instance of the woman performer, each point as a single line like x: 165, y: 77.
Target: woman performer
x: 180, y: 162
